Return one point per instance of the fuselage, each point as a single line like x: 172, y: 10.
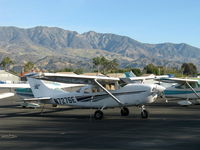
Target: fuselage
x: 182, y: 91
x: 131, y: 94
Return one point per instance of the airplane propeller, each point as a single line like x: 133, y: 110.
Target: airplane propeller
x: 159, y: 90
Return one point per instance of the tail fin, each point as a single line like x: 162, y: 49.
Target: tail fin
x: 129, y: 74
x: 39, y: 89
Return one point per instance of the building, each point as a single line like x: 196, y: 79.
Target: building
x: 116, y: 75
x: 7, y: 77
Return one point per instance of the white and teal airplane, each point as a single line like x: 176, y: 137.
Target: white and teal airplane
x: 188, y: 89
x: 99, y: 92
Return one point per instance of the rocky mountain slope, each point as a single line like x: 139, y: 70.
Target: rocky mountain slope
x: 55, y: 48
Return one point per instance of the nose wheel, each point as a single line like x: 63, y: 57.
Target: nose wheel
x: 144, y: 112
x: 124, y: 111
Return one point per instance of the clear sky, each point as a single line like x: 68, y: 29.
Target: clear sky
x: 148, y: 21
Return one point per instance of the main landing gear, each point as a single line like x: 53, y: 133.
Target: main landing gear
x: 124, y: 111
x: 98, y: 115
x: 144, y: 112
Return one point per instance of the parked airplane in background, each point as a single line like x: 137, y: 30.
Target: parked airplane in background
x: 99, y: 92
x: 132, y: 78
x: 150, y: 79
x: 189, y: 89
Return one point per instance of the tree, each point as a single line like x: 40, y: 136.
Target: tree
x: 111, y: 65
x: 65, y: 70
x: 104, y: 65
x: 150, y: 68
x: 78, y: 71
x: 6, y: 62
x: 97, y: 61
x: 189, y: 69
x: 28, y: 66
x: 136, y: 71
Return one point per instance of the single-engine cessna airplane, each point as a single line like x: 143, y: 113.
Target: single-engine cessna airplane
x: 188, y: 89
x: 99, y: 92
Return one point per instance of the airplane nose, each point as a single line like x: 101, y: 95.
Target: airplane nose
x: 160, y: 88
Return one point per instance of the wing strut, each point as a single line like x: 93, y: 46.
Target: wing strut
x: 193, y: 89
x: 115, y: 98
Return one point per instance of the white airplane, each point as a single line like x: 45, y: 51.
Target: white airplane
x: 99, y: 92
x: 188, y: 89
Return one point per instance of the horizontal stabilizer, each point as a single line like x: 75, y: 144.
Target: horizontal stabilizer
x: 37, y: 99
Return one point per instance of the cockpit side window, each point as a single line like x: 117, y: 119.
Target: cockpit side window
x: 87, y: 90
x: 185, y: 85
x: 182, y: 86
x: 179, y: 86
x: 193, y: 85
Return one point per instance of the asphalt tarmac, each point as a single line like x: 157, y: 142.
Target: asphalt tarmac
x: 169, y: 127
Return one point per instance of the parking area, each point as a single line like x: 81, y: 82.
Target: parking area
x: 169, y: 126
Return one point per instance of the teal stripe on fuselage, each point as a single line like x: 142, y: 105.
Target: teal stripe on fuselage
x: 171, y: 92
x: 24, y: 91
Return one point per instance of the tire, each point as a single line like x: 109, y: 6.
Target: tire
x: 98, y: 115
x: 54, y: 105
x: 144, y: 114
x: 124, y: 111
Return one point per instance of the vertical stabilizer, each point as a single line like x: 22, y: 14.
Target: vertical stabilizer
x: 39, y: 89
x: 129, y: 74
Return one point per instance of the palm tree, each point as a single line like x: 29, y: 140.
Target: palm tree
x: 112, y: 65
x: 97, y: 63
x: 104, y: 65
x: 6, y: 62
x: 28, y: 66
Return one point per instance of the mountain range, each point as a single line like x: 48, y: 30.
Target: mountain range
x: 53, y: 48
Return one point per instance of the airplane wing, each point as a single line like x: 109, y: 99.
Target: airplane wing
x: 52, y: 85
x: 133, y: 79
x: 56, y: 85
x: 5, y: 95
x: 14, y: 85
x: 76, y: 79
x: 178, y: 80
